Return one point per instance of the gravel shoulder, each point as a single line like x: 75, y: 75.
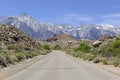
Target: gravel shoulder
x: 13, y: 69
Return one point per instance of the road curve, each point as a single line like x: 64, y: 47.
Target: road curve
x: 60, y: 66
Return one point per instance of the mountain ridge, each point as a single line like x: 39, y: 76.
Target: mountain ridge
x: 42, y: 31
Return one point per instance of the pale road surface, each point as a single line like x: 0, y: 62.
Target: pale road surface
x: 60, y: 66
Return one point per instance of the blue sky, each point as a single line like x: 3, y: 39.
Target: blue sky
x: 65, y: 11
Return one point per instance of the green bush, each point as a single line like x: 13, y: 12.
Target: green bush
x: 112, y: 49
x: 20, y: 56
x: 81, y: 55
x: 104, y: 62
x: 96, y: 60
x: 116, y: 52
x: 46, y: 47
x: 16, y: 48
x: 83, y: 47
x: 90, y: 57
x: 57, y: 47
x: 108, y: 51
x: 44, y: 52
x: 95, y: 52
x: 116, y: 44
x: 28, y: 55
x: 116, y: 63
x: 108, y: 54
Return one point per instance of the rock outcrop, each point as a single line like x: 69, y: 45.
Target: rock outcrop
x: 96, y: 43
x: 12, y: 35
x: 63, y: 38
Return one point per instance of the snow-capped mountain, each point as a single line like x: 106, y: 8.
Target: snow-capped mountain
x: 30, y: 26
x: 91, y: 31
x: 42, y: 31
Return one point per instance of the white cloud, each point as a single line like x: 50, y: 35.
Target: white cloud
x: 112, y: 18
x: 76, y: 17
x: 114, y: 15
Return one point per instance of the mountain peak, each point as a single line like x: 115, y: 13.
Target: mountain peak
x: 23, y: 16
x: 42, y: 31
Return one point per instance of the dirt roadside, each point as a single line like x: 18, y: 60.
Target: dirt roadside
x: 109, y: 68
x: 13, y: 69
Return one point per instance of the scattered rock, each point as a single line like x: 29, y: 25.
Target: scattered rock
x: 104, y: 38
x: 63, y: 38
x: 96, y: 43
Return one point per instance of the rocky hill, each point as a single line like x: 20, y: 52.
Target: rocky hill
x: 12, y: 35
x: 64, y: 38
x: 16, y: 46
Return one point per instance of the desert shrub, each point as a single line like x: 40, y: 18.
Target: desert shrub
x: 28, y: 54
x: 57, y: 47
x: 69, y: 52
x: 116, y: 63
x: 16, y: 48
x: 116, y: 44
x: 11, y: 58
x: 104, y: 61
x: 96, y: 60
x: 83, y: 47
x: 112, y: 49
x: 90, y: 57
x: 20, y: 56
x: 76, y: 54
x: 81, y: 55
x: 46, y: 47
x: 35, y: 53
x: 2, y: 46
x: 95, y: 52
x: 116, y: 52
x: 3, y: 61
x: 108, y: 51
x: 44, y: 52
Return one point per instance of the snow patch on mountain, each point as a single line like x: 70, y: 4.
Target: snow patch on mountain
x: 40, y: 31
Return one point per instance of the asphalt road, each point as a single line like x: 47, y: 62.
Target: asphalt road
x: 60, y: 66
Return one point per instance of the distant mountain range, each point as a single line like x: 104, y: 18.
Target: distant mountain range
x: 41, y: 31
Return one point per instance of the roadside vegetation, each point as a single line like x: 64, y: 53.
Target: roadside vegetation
x: 16, y: 46
x: 46, y: 49
x: 107, y: 54
x: 13, y: 53
x: 57, y: 47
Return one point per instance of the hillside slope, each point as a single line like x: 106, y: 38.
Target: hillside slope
x: 12, y: 35
x: 16, y: 46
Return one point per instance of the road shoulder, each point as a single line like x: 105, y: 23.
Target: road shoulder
x: 13, y: 69
x: 108, y: 68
